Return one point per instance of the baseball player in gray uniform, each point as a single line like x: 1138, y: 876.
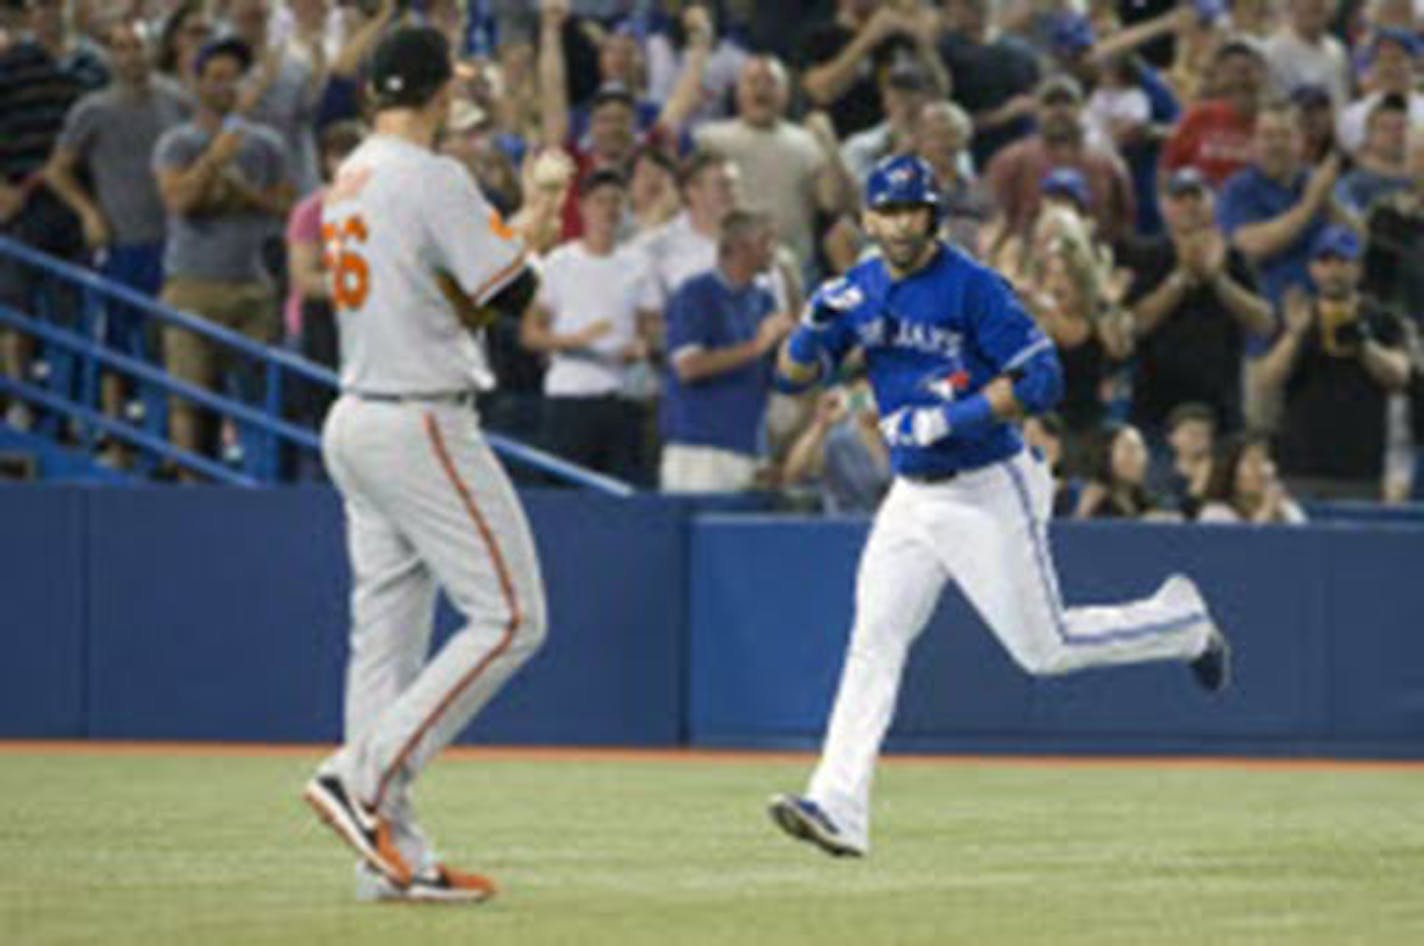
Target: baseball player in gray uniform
x: 418, y: 259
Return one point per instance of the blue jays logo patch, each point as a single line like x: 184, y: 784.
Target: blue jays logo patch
x: 947, y: 386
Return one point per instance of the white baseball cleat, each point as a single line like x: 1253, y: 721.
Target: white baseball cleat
x: 805, y: 820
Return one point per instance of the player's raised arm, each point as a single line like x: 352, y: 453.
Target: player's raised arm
x: 815, y: 348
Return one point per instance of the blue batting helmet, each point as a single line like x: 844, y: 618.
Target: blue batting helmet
x: 902, y: 180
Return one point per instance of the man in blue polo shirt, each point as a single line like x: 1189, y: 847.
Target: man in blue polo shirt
x: 1274, y: 209
x: 721, y: 329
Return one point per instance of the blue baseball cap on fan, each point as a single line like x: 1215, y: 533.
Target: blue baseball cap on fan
x: 1070, y: 33
x: 1407, y: 40
x: 1337, y: 242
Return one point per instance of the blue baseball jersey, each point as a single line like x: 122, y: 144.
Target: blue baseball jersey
x: 939, y: 334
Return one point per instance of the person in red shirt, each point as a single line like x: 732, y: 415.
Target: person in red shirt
x: 1015, y: 175
x: 1214, y: 136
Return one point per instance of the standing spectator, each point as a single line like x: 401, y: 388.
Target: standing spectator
x: 668, y: 51
x: 1016, y: 173
x: 308, y: 316
x: 845, y: 61
x: 183, y: 33
x: 1194, y: 300
x: 1382, y: 164
x: 1118, y: 487
x: 593, y: 316
x: 686, y: 245
x: 1215, y: 135
x: 284, y: 87
x: 1395, y: 59
x: 1071, y: 301
x: 470, y: 139
x: 224, y: 184
x: 652, y: 191
x: 941, y: 137
x: 613, y: 139
x: 722, y: 329
x: 620, y: 62
x: 342, y: 93
x: 1245, y: 487
x: 787, y: 171
x: 843, y: 450
x: 42, y: 73
x: 1191, y: 437
x: 1336, y: 364
x: 993, y: 77
x: 1302, y: 52
x: 1395, y: 223
x: 100, y: 168
x: 904, y: 91
x: 1118, y: 111
x: 1274, y: 209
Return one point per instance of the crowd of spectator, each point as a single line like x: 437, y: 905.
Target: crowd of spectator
x: 1216, y: 210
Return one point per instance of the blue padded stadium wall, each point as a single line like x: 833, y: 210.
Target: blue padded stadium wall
x: 1325, y: 621
x: 161, y: 613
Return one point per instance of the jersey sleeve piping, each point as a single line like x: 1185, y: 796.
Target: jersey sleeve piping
x: 1033, y: 348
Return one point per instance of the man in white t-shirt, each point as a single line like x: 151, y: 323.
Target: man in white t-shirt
x: 686, y: 245
x: 594, y: 316
x: 787, y: 171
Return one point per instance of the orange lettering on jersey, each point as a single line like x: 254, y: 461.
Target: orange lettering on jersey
x: 499, y: 228
x: 350, y: 273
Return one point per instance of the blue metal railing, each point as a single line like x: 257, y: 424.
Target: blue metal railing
x: 76, y: 359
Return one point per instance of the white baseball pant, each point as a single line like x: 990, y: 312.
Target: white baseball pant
x: 987, y: 531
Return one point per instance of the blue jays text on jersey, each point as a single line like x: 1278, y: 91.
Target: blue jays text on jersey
x: 941, y: 333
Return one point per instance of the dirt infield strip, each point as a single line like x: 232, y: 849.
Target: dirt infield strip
x: 700, y: 756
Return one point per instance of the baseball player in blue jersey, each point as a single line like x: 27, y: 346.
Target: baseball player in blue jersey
x: 954, y: 360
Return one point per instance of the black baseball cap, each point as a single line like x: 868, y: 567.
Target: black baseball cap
x: 409, y: 66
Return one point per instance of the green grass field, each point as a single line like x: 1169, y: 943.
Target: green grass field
x: 170, y: 850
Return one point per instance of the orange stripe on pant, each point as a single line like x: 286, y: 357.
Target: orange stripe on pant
x: 506, y: 585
